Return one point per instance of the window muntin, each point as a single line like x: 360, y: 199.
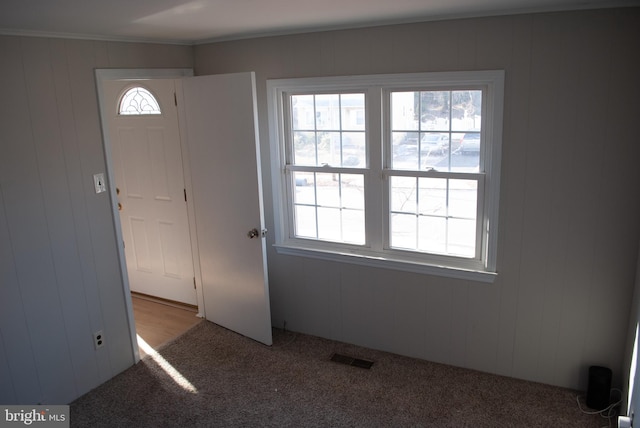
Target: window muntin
x: 327, y: 131
x: 430, y: 127
x: 458, y: 192
x: 138, y: 101
x: 435, y: 214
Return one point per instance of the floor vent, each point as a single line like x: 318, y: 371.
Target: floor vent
x: 350, y: 361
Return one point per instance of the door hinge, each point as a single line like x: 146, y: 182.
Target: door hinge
x: 194, y: 282
x: 185, y: 195
x: 175, y: 99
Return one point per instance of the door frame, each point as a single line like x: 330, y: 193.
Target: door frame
x: 103, y: 75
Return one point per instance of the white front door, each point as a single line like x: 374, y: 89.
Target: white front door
x: 221, y: 127
x: 148, y: 170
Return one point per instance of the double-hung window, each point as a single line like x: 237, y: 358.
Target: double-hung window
x: 399, y: 171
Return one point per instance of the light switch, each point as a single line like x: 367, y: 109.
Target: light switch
x: 98, y: 180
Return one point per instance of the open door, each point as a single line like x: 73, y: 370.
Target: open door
x: 220, y: 123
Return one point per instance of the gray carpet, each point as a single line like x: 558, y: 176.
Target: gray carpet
x: 240, y: 383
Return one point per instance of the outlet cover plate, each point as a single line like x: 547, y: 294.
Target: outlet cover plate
x: 98, y: 181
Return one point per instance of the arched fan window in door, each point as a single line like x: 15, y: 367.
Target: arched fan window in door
x: 138, y: 100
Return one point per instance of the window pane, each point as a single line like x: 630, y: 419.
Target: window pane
x: 403, y: 194
x: 328, y: 190
x: 433, y: 196
x: 335, y: 200
x: 353, y: 226
x: 463, y: 198
x: 329, y: 129
x: 329, y: 224
x: 354, y: 150
x: 303, y: 112
x: 328, y: 112
x: 329, y: 148
x: 305, y: 192
x: 434, y: 110
x: 461, y: 238
x: 352, y: 189
x: 434, y: 149
x: 447, y: 124
x: 403, y: 230
x: 404, y: 111
x: 440, y: 219
x: 305, y: 221
x: 352, y: 108
x: 138, y: 101
x: 304, y: 148
x: 405, y: 150
x: 432, y: 237
x: 466, y: 110
x: 470, y: 152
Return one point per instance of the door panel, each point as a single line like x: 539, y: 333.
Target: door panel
x: 221, y: 126
x: 147, y: 164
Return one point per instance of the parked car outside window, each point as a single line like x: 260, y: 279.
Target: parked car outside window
x: 470, y: 144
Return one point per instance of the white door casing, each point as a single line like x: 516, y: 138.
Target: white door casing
x: 224, y: 159
x: 148, y: 172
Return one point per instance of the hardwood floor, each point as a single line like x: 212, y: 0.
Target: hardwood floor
x: 159, y: 322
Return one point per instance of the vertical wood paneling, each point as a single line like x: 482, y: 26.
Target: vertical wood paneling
x: 21, y: 380
x: 512, y: 197
x: 30, y: 239
x: 7, y: 392
x: 52, y: 172
x: 353, y: 298
x: 82, y: 60
x: 442, y: 45
x: 59, y: 272
x: 440, y: 311
x: 410, y: 318
x: 539, y: 185
x: 95, y: 367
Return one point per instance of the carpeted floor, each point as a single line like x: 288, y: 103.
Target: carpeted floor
x: 221, y: 379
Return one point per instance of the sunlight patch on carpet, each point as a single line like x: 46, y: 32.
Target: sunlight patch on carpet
x: 171, y: 371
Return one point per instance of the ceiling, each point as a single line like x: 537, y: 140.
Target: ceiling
x: 199, y: 21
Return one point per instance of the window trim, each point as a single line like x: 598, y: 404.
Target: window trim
x: 375, y: 86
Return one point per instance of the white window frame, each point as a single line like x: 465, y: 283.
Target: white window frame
x: 375, y: 251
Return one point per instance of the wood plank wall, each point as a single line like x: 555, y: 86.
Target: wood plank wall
x: 59, y: 272
x: 569, y: 212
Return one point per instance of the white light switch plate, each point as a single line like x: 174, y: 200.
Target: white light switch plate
x: 98, y: 180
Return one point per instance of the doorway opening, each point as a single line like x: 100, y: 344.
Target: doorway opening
x: 147, y: 185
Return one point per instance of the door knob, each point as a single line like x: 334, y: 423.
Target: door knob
x: 254, y: 233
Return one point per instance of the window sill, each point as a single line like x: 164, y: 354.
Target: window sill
x: 387, y: 263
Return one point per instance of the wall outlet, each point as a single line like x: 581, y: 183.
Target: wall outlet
x: 98, y: 339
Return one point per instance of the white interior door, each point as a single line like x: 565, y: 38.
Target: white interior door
x: 147, y: 164
x: 221, y: 127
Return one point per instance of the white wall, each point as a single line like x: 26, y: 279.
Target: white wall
x: 569, y: 214
x: 59, y: 272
